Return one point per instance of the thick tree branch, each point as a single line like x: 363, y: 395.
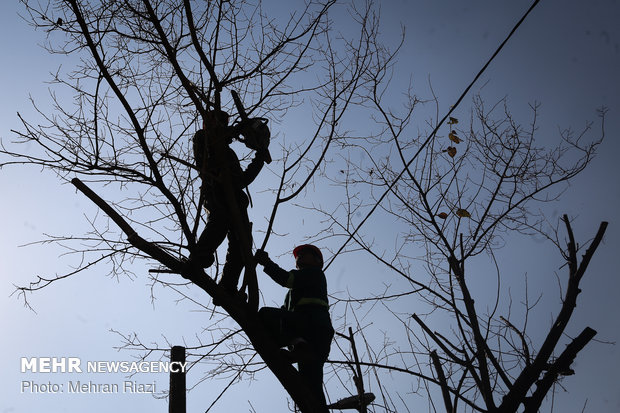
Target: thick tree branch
x: 445, y: 389
x: 531, y: 373
x: 561, y: 366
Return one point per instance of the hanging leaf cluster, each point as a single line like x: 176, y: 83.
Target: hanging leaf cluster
x: 461, y: 213
x: 451, y: 150
x: 453, y: 136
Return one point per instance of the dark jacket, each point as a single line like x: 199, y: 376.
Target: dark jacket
x: 208, y: 165
x: 307, y: 287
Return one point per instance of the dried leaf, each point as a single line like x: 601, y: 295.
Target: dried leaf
x: 451, y: 151
x: 463, y: 213
x: 453, y: 137
x: 442, y: 215
x: 453, y: 121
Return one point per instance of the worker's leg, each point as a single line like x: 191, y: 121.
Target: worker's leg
x: 277, y: 322
x: 234, y: 256
x: 317, y: 330
x: 212, y: 236
x: 311, y: 370
x: 233, y: 265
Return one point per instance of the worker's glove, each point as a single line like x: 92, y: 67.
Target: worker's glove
x: 263, y: 155
x: 262, y: 257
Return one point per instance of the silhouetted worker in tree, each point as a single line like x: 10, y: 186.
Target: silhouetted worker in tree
x: 213, y: 155
x: 303, y: 323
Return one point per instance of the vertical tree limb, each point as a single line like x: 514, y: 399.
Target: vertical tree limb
x: 445, y: 389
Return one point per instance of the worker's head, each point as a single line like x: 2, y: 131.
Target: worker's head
x: 308, y: 256
x: 216, y: 121
x: 215, y: 117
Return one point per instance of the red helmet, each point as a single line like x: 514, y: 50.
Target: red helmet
x: 315, y: 251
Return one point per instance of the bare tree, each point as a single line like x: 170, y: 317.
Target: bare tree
x: 147, y: 72
x: 458, y: 193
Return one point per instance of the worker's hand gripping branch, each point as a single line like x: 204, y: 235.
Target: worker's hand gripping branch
x: 262, y: 257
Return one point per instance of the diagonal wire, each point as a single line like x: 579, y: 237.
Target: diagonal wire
x: 231, y: 382
x: 433, y: 133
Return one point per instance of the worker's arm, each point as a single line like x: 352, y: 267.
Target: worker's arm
x: 273, y: 270
x: 252, y: 171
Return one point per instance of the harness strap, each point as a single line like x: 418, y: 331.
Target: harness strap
x: 312, y: 300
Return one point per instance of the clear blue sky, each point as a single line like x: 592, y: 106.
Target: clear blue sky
x: 566, y: 56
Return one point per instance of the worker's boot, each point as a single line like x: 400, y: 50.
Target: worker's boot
x: 299, y: 350
x: 231, y: 273
x: 238, y: 295
x: 231, y: 288
x: 198, y: 262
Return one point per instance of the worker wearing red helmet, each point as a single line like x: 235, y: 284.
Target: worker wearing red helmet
x: 302, y: 323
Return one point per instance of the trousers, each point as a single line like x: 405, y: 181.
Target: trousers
x: 310, y: 322
x: 218, y: 227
